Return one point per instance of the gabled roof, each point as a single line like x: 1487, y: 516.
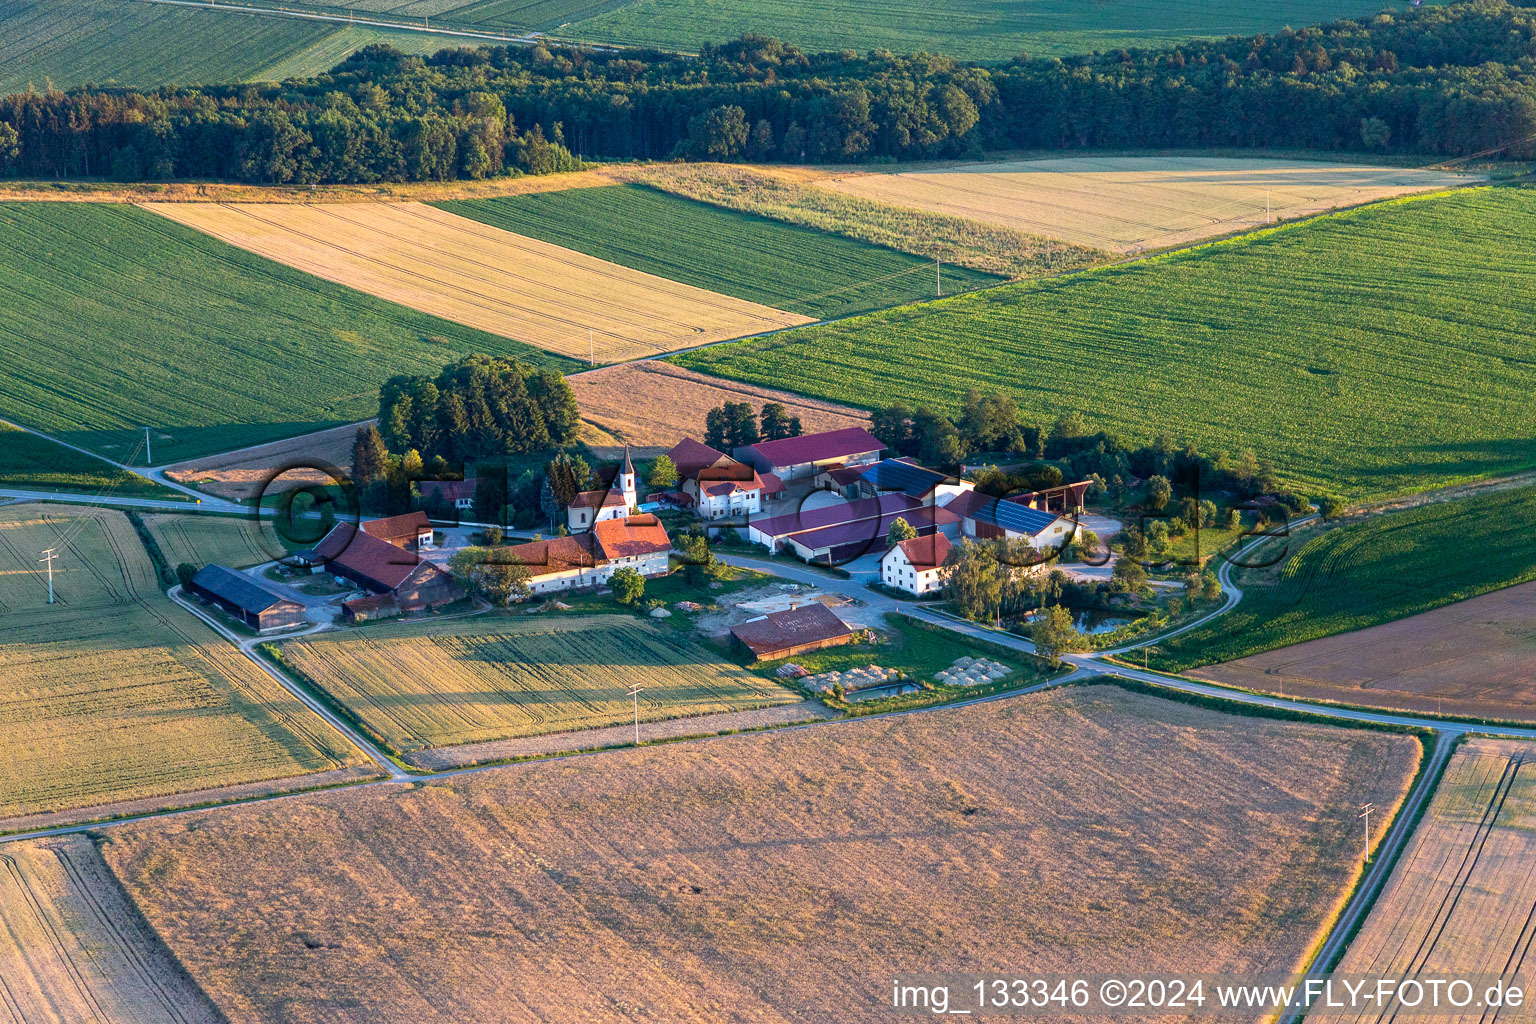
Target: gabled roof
x: 830, y: 444
x: 771, y: 483
x: 869, y: 534
x: 635, y: 535
x: 1012, y: 516
x: 558, y: 554
x: 239, y: 589
x: 784, y: 630
x: 925, y: 552
x: 598, y: 499
x: 906, y: 477
x: 722, y: 480
x: 840, y: 513
x: 448, y: 490
x: 690, y: 456
x: 404, y: 527
x: 348, y: 551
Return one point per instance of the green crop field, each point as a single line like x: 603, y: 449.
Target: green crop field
x: 114, y: 318
x: 114, y: 693
x: 32, y: 463
x: 125, y: 42
x: 430, y: 684
x: 1373, y: 351
x: 971, y: 29
x: 1386, y: 567
x: 223, y: 540
x: 777, y: 264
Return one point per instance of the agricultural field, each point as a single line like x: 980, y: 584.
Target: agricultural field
x: 115, y: 695
x: 124, y: 42
x: 790, y: 194
x: 969, y: 29
x: 761, y: 871
x: 654, y: 404
x: 32, y: 463
x: 214, y: 347
x: 1461, y: 898
x: 1131, y: 204
x: 429, y: 684
x: 1370, y: 352
x: 200, y: 540
x: 1382, y: 568
x: 1474, y: 658
x: 280, y: 466
x: 799, y: 269
x: 512, y: 285
x: 74, y: 948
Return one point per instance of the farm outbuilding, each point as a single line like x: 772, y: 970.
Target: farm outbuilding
x: 794, y: 458
x: 257, y: 606
x: 782, y: 634
x: 380, y: 567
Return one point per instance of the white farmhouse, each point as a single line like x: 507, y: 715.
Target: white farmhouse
x: 913, y: 565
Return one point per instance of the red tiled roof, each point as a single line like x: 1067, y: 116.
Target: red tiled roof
x: 558, y: 554
x: 448, y: 490
x: 350, y: 552
x: 598, y: 499
x: 926, y: 552
x: 784, y: 630
x: 690, y: 456
x: 721, y: 480
x: 635, y: 535
x: 771, y: 483
x: 831, y: 444
x: 845, y: 475
x: 403, y: 527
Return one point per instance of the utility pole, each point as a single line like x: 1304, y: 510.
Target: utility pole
x: 938, y: 282
x: 49, y: 556
x: 1365, y: 843
x: 591, y: 347
x: 634, y: 691
x: 1146, y: 656
x: 149, y: 458
x: 1266, y: 207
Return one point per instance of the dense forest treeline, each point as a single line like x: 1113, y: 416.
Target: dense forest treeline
x: 1446, y: 81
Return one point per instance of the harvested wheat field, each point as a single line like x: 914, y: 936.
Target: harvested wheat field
x: 484, y: 277
x: 656, y: 403
x: 1475, y: 658
x: 1462, y: 899
x: 74, y: 949
x: 777, y: 876
x: 1129, y: 204
x: 274, y: 468
x: 115, y: 696
x: 434, y: 684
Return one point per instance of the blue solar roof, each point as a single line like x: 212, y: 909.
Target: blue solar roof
x: 1014, y: 517
x: 914, y: 481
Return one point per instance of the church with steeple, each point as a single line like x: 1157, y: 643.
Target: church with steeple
x: 617, y: 501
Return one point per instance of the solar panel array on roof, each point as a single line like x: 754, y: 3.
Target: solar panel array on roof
x: 894, y: 475
x: 1014, y: 517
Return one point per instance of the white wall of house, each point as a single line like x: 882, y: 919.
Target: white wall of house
x: 653, y: 564
x: 896, y: 570
x: 737, y: 503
